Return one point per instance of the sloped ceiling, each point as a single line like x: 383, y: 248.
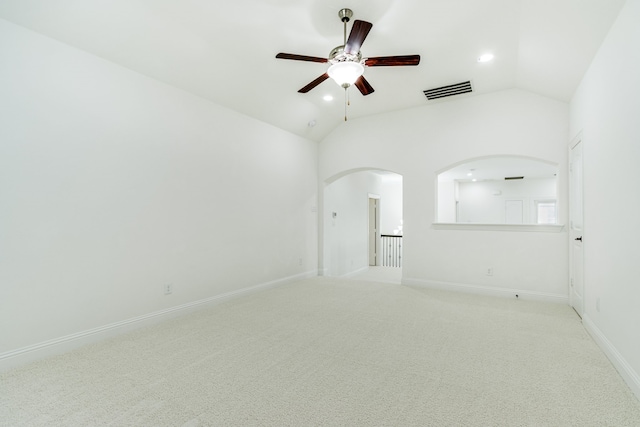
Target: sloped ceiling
x: 225, y: 51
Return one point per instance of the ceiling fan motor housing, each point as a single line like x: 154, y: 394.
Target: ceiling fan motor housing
x: 339, y: 55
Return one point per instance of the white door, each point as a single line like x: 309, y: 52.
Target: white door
x: 576, y: 288
x: 373, y: 231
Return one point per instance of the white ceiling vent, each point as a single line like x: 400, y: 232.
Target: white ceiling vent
x: 450, y: 90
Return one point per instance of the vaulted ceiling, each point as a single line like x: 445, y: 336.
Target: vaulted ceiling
x: 225, y: 51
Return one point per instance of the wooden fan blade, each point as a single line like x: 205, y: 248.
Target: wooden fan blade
x: 314, y: 83
x: 301, y: 57
x: 363, y: 86
x: 392, y: 61
x: 359, y: 32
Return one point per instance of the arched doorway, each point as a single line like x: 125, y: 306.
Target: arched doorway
x: 359, y: 208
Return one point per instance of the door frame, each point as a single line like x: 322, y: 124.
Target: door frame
x: 576, y: 301
x: 374, y: 229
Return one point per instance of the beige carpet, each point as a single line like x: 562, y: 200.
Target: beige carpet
x: 380, y: 274
x: 327, y: 352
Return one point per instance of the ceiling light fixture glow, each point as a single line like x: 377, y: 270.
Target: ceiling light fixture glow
x: 486, y: 57
x: 345, y: 73
x: 328, y: 98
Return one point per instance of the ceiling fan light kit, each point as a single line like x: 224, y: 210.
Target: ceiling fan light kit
x: 347, y: 65
x: 345, y: 73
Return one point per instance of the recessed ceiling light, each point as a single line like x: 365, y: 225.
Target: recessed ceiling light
x: 328, y: 98
x: 474, y: 180
x: 469, y: 174
x: 486, y: 57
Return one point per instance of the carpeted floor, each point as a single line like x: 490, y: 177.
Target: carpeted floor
x: 329, y: 352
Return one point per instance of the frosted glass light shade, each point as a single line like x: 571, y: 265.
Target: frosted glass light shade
x: 345, y: 73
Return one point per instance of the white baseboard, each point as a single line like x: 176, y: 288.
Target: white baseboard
x: 24, y: 355
x: 486, y: 290
x: 625, y: 370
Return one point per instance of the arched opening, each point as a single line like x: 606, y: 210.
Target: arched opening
x: 498, y: 190
x: 362, y: 215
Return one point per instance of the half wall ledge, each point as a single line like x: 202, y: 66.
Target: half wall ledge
x: 541, y: 228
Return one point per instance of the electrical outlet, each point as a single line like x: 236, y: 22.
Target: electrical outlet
x: 489, y: 271
x: 168, y: 289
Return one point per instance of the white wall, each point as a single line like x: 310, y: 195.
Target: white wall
x: 390, y: 203
x: 484, y: 201
x: 606, y: 109
x: 447, y: 198
x: 347, y: 235
x: 113, y: 184
x: 431, y: 138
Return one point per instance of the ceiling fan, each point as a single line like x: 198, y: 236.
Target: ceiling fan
x: 347, y: 63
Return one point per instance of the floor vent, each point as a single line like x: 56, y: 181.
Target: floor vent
x: 444, y: 91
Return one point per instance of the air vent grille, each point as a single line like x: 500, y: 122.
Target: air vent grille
x: 450, y: 90
x: 508, y: 178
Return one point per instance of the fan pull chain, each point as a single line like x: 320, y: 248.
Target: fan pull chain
x: 346, y: 102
